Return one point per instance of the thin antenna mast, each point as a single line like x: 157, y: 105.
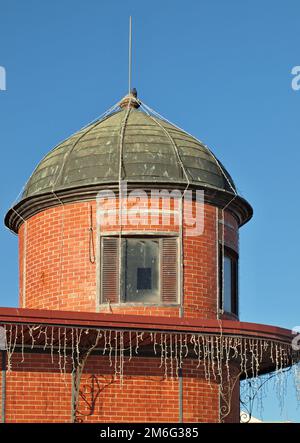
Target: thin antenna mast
x: 130, y: 55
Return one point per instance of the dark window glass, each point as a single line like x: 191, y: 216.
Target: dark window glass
x: 229, y: 281
x: 144, y: 278
x: 227, y: 284
x: 141, y: 270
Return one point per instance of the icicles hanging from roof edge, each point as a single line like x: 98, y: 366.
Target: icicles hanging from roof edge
x: 213, y: 353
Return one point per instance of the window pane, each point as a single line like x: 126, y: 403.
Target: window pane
x: 141, y: 270
x: 144, y: 278
x: 227, y: 284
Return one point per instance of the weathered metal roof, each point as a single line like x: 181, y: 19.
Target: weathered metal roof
x: 152, y: 150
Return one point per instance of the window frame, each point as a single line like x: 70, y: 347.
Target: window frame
x: 141, y: 235
x: 234, y: 258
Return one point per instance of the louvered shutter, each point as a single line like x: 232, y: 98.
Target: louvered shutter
x: 169, y: 270
x: 110, y: 270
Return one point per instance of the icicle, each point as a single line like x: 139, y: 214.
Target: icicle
x: 166, y: 355
x: 288, y: 356
x: 241, y: 356
x: 227, y: 358
x: 235, y: 347
x: 30, y: 329
x: 208, y: 362
x: 105, y: 342
x: 138, y: 337
x: 22, y: 345
x: 284, y: 356
x: 154, y: 343
x: 46, y: 338
x: 281, y: 358
x: 271, y: 351
x: 257, y: 358
x: 245, y: 358
x: 261, y: 351
x: 110, y: 348
x: 252, y: 356
x: 137, y: 342
x: 198, y: 350
x: 121, y: 357
x: 161, y: 351
x: 218, y: 355
x: 116, y: 353
x: 193, y: 342
x: 212, y: 355
x: 171, y: 356
x: 59, y: 351
x: 186, y: 345
x: 65, y: 350
x: 204, y: 357
x: 72, y: 350
x: 78, y: 340
x: 180, y: 352
x: 51, y: 345
x: 130, y: 346
x: 176, y: 356
x: 276, y: 357
x: 40, y: 332
x: 11, y: 346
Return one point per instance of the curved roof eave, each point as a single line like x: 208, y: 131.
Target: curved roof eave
x: 30, y: 206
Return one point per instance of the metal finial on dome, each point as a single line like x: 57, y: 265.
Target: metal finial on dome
x: 130, y: 100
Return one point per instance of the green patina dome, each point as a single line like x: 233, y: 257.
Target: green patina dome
x: 134, y: 146
x: 152, y: 150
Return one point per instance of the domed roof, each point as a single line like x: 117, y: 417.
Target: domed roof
x: 152, y: 150
x: 136, y: 146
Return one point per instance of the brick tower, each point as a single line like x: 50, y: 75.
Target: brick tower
x: 128, y: 259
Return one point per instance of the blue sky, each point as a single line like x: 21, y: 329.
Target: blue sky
x: 221, y: 70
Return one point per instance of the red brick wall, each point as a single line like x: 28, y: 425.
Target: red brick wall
x: 22, y: 258
x: 38, y: 392
x: 200, y: 398
x: 56, y: 271
x: 146, y: 396
x: 200, y: 267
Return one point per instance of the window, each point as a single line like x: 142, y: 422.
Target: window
x: 229, y: 281
x: 140, y: 272
x: 148, y: 274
